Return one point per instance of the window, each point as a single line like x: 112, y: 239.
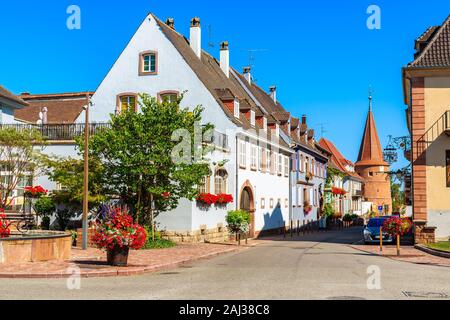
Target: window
x: 204, y: 185
x: 280, y: 164
x: 126, y: 101
x: 252, y: 118
x: 168, y: 96
x: 307, y: 165
x: 299, y: 197
x: 236, y: 108
x: 242, y: 154
x: 262, y: 159
x: 274, y: 166
x: 220, y: 181
x: 448, y: 168
x: 271, y: 203
x: 302, y: 163
x: 148, y: 63
x: 253, y: 157
x: 286, y: 166
x: 263, y: 203
x: 268, y: 161
x: 286, y: 203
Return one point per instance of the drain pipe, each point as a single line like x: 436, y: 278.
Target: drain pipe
x: 237, y: 172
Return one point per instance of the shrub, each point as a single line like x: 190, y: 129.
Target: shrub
x: 238, y: 221
x: 44, y: 207
x: 158, y: 243
x: 348, y: 218
x: 328, y: 210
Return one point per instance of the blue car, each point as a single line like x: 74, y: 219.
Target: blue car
x: 372, y: 231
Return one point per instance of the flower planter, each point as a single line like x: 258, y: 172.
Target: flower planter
x: 118, y: 256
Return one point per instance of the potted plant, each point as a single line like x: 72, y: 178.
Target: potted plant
x: 44, y: 208
x: 397, y: 227
x: 117, y: 234
x: 4, y: 225
x: 238, y: 221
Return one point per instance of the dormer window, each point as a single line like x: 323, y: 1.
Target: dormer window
x: 148, y: 63
x: 126, y: 101
x: 252, y: 118
x: 236, y: 108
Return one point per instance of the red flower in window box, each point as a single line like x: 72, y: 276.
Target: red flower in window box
x: 338, y: 191
x: 207, y: 199
x: 224, y: 199
x: 4, y: 225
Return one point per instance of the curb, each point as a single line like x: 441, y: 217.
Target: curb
x: 128, y: 271
x: 434, y: 252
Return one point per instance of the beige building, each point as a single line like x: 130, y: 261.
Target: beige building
x: 426, y: 83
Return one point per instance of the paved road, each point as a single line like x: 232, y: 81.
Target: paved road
x: 320, y: 266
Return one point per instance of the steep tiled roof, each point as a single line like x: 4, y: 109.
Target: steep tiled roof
x: 338, y: 161
x: 370, y: 152
x: 61, y: 108
x: 222, y: 88
x: 6, y: 94
x: 433, y: 47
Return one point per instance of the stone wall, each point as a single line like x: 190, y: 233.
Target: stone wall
x: 217, y: 235
x: 424, y: 234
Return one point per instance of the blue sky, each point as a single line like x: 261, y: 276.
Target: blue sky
x: 320, y: 54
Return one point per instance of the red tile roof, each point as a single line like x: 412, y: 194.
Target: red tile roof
x: 61, y: 107
x: 338, y: 161
x: 433, y: 47
x: 6, y: 94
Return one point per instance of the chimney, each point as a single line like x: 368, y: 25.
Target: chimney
x: 304, y: 119
x: 273, y: 93
x: 170, y: 23
x: 225, y: 58
x: 248, y: 75
x: 196, y: 37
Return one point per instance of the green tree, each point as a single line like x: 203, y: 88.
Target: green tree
x: 398, y: 196
x: 140, y: 156
x: 18, y: 154
x: 69, y: 174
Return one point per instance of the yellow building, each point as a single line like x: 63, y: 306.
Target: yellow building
x: 426, y: 83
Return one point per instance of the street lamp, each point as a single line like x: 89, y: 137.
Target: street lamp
x: 86, y: 174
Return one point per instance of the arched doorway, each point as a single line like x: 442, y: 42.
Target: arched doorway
x: 247, y: 203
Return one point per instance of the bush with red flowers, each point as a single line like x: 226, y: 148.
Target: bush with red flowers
x: 307, y: 208
x: 338, y: 191
x: 35, y: 192
x: 397, y: 226
x: 4, y: 225
x: 224, y: 199
x: 119, y: 230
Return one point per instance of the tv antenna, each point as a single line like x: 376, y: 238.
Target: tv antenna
x: 210, y: 37
x: 251, y: 55
x: 322, y: 129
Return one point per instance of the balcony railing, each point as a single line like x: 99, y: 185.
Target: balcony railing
x: 442, y: 125
x: 68, y: 132
x: 58, y: 132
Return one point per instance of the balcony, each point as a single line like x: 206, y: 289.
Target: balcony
x: 58, y: 132
x: 447, y: 123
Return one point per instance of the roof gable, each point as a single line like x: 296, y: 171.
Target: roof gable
x: 8, y: 95
x: 435, y: 48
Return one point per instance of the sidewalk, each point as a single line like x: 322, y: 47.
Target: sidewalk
x: 408, y: 254
x: 92, y: 263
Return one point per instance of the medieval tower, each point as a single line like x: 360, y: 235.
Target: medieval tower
x: 372, y: 167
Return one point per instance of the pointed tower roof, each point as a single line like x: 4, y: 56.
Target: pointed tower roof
x: 371, y: 152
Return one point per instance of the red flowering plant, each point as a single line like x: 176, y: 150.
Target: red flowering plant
x: 397, y: 226
x: 207, y: 199
x: 4, y: 225
x: 119, y: 230
x: 35, y: 192
x: 307, y: 208
x: 224, y: 199
x: 338, y: 191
